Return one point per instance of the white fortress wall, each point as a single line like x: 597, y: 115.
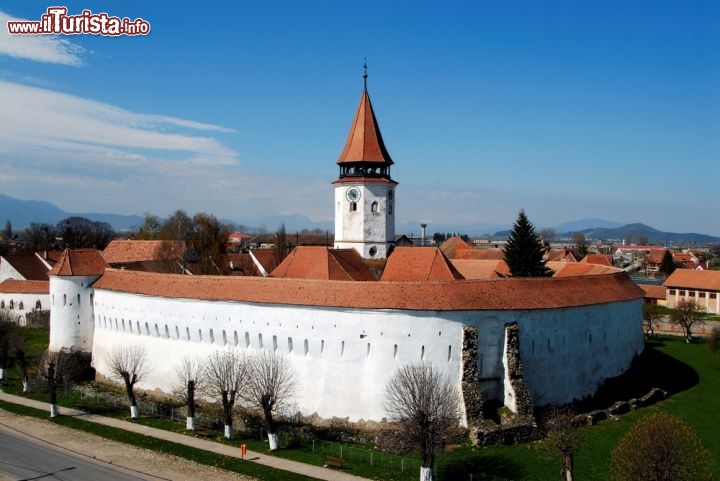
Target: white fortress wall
x: 71, y: 320
x: 343, y: 357
x: 567, y: 353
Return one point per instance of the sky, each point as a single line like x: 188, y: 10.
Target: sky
x: 567, y: 109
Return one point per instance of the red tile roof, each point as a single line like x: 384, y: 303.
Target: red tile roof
x: 574, y: 269
x: 597, y: 259
x: 419, y: 264
x: 266, y: 257
x: 486, y: 253
x: 12, y: 286
x: 28, y: 265
x: 452, y: 245
x: 488, y: 294
x: 79, y: 262
x: 481, y: 268
x: 692, y: 279
x: 317, y: 262
x: 560, y: 255
x: 364, y: 142
x: 652, y: 291
x: 121, y: 251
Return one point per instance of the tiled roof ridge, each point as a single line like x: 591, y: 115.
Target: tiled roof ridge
x: 465, y: 294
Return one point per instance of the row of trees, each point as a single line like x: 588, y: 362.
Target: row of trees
x: 263, y: 380
x: 73, y: 232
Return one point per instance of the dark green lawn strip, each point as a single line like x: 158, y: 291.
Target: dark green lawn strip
x: 193, y: 454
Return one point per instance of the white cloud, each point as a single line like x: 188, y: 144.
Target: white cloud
x: 35, y: 118
x: 40, y: 48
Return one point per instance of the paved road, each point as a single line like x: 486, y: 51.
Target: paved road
x: 25, y: 458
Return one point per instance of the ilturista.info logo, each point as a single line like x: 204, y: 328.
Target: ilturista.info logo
x: 57, y: 22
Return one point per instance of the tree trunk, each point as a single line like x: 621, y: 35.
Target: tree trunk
x: 190, y: 423
x: 53, y: 410
x: 227, y: 414
x: 567, y: 472
x: 273, y: 441
x: 270, y: 426
x: 134, y: 412
x: 2, y: 373
x: 425, y: 474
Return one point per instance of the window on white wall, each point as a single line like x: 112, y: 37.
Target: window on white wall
x: 78, y: 299
x: 322, y: 346
x: 167, y: 332
x: 177, y: 332
x: 212, y: 337
x: 260, y: 341
x: 374, y: 207
x: 422, y: 353
x: 247, y: 339
x: 367, y: 354
x: 147, y: 328
x: 395, y: 352
x: 64, y: 300
x: 449, y: 353
x: 307, y: 347
x: 38, y: 305
x: 187, y: 333
x: 275, y: 346
x: 237, y: 340
x: 342, y: 348
x: 224, y: 338
x: 199, y: 335
x: 290, y: 345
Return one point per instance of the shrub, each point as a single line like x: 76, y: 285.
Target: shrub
x: 660, y: 447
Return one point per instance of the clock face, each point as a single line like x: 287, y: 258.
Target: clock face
x: 353, y: 194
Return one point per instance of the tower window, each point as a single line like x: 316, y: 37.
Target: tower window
x: 374, y: 207
x: 353, y: 206
x: 373, y: 251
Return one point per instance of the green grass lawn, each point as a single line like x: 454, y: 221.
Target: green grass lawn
x: 689, y: 372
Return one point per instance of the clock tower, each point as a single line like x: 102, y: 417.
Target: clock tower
x: 364, y: 192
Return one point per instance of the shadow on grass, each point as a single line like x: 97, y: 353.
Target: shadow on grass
x: 475, y: 466
x: 650, y: 369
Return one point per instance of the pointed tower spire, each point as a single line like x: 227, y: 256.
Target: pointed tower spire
x: 364, y: 142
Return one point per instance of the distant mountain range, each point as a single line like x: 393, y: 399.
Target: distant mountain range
x: 633, y: 232
x: 21, y: 213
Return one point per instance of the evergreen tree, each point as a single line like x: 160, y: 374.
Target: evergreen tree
x: 667, y: 265
x: 524, y: 250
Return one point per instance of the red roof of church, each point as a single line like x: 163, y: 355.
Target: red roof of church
x: 486, y: 294
x: 419, y: 264
x: 364, y: 142
x: 318, y: 262
x: 79, y: 262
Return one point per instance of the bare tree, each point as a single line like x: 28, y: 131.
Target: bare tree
x: 58, y: 370
x: 651, y: 319
x: 10, y: 341
x: 425, y: 405
x: 686, y: 314
x: 129, y: 364
x: 190, y: 381
x: 564, y: 438
x: 225, y: 376
x: 660, y: 447
x: 270, y: 385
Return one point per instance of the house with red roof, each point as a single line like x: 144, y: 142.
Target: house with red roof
x: 701, y: 287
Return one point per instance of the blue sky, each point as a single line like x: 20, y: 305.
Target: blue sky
x: 568, y: 109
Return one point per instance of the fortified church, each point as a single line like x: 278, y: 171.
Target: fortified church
x: 548, y: 340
